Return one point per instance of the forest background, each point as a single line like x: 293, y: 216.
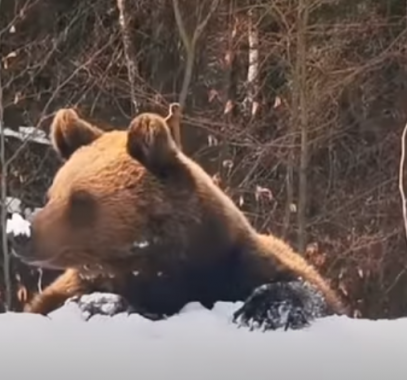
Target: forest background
x: 296, y: 108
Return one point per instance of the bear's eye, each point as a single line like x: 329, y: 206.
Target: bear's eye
x: 46, y: 198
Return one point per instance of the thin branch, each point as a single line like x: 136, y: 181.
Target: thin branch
x: 301, y: 74
x: 124, y: 7
x: 6, y: 257
x: 401, y: 178
x: 190, y: 44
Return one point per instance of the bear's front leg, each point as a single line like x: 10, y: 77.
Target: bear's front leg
x: 287, y: 305
x: 92, y: 295
x: 67, y: 285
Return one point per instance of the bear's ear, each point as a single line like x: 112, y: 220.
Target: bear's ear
x: 69, y: 132
x: 149, y: 141
x: 173, y: 120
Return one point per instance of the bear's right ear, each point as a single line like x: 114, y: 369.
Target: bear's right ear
x: 149, y: 141
x: 69, y: 132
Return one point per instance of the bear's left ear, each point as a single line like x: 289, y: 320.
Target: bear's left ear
x: 149, y: 141
x: 69, y: 132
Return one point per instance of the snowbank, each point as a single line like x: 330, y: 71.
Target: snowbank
x: 197, y: 344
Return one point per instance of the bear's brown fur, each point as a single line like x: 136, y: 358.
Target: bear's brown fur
x: 128, y: 212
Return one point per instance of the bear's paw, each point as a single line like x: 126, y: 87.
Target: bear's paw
x: 98, y: 303
x: 288, y: 305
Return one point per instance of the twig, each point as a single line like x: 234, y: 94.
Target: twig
x: 401, y: 178
x: 6, y: 257
x: 301, y: 74
x: 190, y: 45
x: 129, y: 52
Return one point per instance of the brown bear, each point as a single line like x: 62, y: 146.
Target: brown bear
x: 129, y: 213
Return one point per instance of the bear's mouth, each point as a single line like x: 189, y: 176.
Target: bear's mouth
x: 44, y: 264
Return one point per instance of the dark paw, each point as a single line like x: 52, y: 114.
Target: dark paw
x: 100, y: 304
x: 288, y: 305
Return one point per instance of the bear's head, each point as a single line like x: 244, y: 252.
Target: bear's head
x: 117, y: 196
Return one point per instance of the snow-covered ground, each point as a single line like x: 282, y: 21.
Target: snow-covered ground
x: 197, y: 344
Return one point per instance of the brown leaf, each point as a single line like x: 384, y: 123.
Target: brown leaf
x: 212, y: 140
x: 213, y: 94
x: 343, y: 288
x: 263, y: 192
x: 228, y: 164
x: 22, y: 294
x: 255, y: 108
x: 228, y: 107
x: 277, y: 102
x: 217, y: 179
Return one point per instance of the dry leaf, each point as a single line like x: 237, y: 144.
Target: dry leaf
x: 277, y: 102
x: 22, y: 294
x: 255, y: 108
x: 228, y: 164
x: 228, y: 58
x: 212, y: 141
x: 217, y: 179
x: 263, y: 192
x: 228, y: 107
x: 343, y: 289
x: 12, y: 54
x: 213, y: 94
x: 17, y: 97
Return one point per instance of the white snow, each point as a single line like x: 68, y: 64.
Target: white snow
x: 13, y: 205
x: 197, y: 344
x: 18, y: 225
x: 32, y: 134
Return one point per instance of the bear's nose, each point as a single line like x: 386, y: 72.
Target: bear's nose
x: 18, y: 232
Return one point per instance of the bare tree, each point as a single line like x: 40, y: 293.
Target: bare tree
x: 253, y: 67
x: 6, y: 258
x: 301, y: 112
x: 401, y: 178
x: 190, y: 43
x: 129, y: 51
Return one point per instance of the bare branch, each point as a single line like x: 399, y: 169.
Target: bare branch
x: 181, y: 26
x: 6, y: 257
x: 401, y: 178
x: 202, y: 25
x: 253, y: 68
x: 190, y: 44
x: 301, y: 73
x: 129, y: 51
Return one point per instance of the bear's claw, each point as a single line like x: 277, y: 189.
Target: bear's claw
x: 288, y: 305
